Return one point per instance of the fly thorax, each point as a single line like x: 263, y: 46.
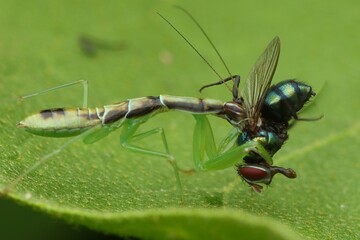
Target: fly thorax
x: 271, y: 141
x: 247, y: 136
x: 242, y: 138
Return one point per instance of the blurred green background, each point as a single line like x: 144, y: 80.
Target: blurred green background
x: 39, y: 48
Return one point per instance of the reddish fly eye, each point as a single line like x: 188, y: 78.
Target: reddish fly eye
x: 253, y: 173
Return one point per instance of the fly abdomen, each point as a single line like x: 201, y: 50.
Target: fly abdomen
x: 285, y: 99
x: 61, y: 122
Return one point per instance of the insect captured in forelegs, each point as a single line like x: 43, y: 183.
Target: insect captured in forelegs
x: 225, y: 155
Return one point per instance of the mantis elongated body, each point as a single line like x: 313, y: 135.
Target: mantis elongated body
x: 93, y: 124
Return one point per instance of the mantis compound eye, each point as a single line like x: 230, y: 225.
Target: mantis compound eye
x: 255, y: 174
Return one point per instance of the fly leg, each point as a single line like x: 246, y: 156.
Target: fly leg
x: 128, y: 139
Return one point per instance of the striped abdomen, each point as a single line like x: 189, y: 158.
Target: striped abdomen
x: 67, y: 122
x: 285, y: 99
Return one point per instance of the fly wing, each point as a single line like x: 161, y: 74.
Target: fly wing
x: 259, y: 80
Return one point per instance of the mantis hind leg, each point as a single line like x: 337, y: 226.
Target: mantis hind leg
x: 128, y: 139
x: 45, y: 158
x: 83, y: 82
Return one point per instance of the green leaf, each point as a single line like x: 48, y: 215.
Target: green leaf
x: 108, y: 189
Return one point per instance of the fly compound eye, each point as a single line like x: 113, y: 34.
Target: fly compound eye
x: 255, y: 174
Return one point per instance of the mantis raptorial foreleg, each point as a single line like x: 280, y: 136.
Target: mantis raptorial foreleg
x: 204, y: 143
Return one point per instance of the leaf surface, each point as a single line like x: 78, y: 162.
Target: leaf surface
x: 108, y: 189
